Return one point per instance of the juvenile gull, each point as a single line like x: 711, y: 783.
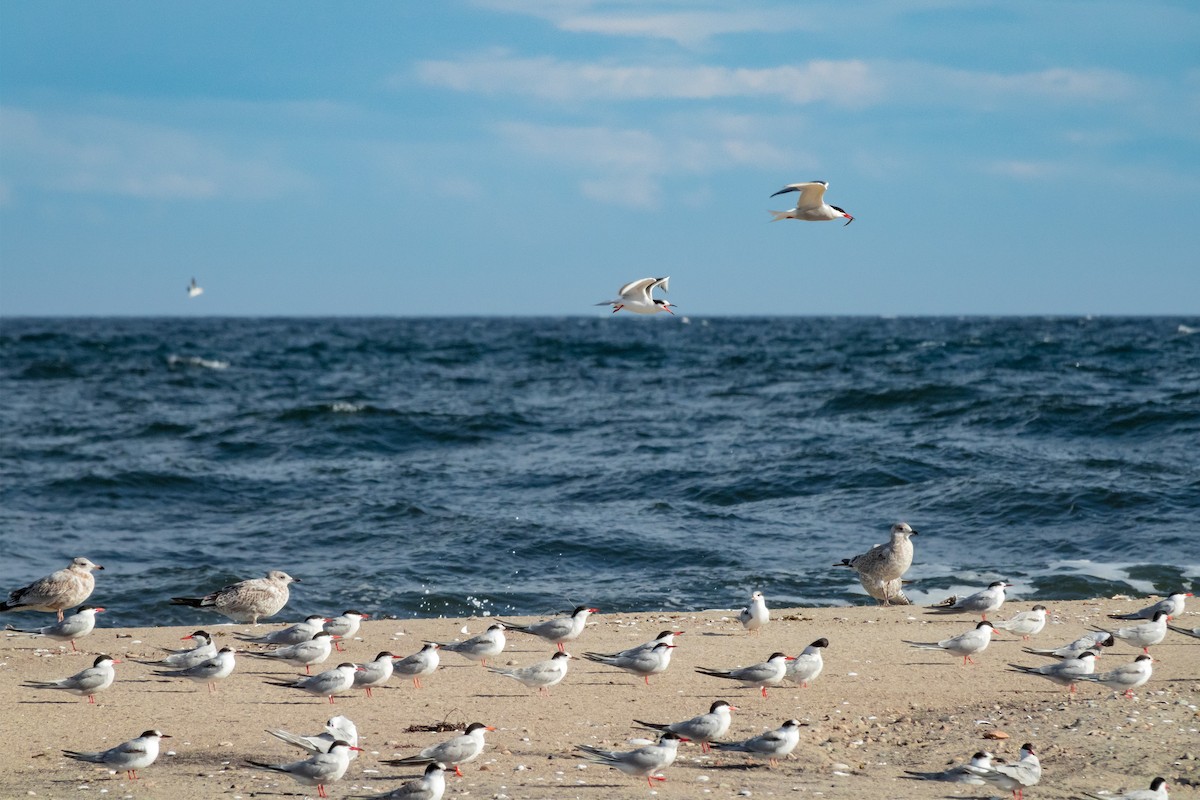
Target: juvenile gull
x: 57, y: 591
x: 246, y: 601
x: 76, y: 626
x: 880, y: 568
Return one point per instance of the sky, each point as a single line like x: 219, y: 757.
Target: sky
x: 512, y: 157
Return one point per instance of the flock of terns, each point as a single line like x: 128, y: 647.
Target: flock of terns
x: 312, y: 641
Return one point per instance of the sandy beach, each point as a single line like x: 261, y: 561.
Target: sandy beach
x: 879, y: 708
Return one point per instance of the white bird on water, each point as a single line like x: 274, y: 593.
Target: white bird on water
x: 128, y: 756
x: 58, y: 591
x: 637, y: 296
x: 810, y: 205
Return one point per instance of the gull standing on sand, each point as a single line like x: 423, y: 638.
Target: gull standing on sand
x: 754, y: 616
x: 318, y: 770
x: 344, y: 626
x: 703, y: 728
x: 810, y: 205
x: 127, y: 757
x: 1089, y: 641
x: 58, y: 591
x: 430, y: 786
x: 636, y: 296
x: 488, y: 644
x: 85, y: 683
x: 375, y: 673
x: 246, y: 601
x: 315, y: 651
x: 217, y: 668
x: 1145, y: 635
x: 767, y: 673
x: 462, y: 749
x: 982, y: 602
x: 421, y: 663
x: 807, y: 666
x: 1025, y: 624
x: 338, y: 728
x: 960, y: 774
x: 540, y: 676
x: 1126, y: 677
x: 772, y: 745
x: 1173, y: 605
x: 644, y: 664
x: 880, y: 568
x: 73, y: 627
x: 1065, y: 672
x: 293, y: 634
x: 967, y: 644
x: 1016, y: 777
x: 560, y: 629
x: 338, y: 680
x: 1157, y: 791
x: 643, y: 762
x: 183, y: 659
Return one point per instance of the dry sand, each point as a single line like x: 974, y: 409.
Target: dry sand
x: 879, y: 708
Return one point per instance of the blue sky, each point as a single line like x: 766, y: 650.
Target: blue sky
x: 501, y: 157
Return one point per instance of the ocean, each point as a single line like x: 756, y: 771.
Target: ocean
x: 493, y: 466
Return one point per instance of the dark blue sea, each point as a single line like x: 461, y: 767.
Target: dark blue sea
x: 424, y: 467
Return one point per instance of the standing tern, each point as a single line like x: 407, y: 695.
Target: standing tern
x: 317, y: 770
x: 1126, y: 677
x: 772, y: 745
x: 128, y: 757
x: 703, y: 728
x: 1024, y: 624
x: 959, y: 774
x: 85, y: 683
x: 642, y: 762
x: 1089, y: 641
x: 754, y: 616
x: 1193, y: 632
x: 345, y: 625
x: 193, y: 290
x: 1157, y: 791
x: 560, y: 629
x: 645, y: 663
x: 637, y: 297
x: 488, y: 644
x: 430, y: 786
x: 1145, y: 635
x: 421, y: 663
x: 462, y: 749
x: 810, y: 205
x: 58, y: 591
x: 315, y: 651
x: 1173, y: 605
x: 338, y: 728
x: 246, y: 601
x: 967, y: 644
x: 217, y: 668
x: 540, y: 676
x: 293, y: 634
x: 807, y: 666
x: 375, y: 673
x: 184, y: 659
x: 767, y: 673
x: 665, y: 637
x: 1013, y: 777
x: 982, y: 602
x: 1066, y: 672
x: 338, y: 680
x: 880, y: 568
x: 72, y: 627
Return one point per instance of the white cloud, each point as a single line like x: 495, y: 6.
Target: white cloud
x: 94, y: 154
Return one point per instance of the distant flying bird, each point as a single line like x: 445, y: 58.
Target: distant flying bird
x: 636, y: 297
x: 810, y: 205
x: 193, y: 290
x: 60, y: 590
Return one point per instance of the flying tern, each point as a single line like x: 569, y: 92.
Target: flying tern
x: 193, y: 290
x: 58, y: 591
x: 637, y: 296
x: 810, y: 205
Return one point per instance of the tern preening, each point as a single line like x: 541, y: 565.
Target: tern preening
x: 337, y: 728
x: 57, y: 591
x: 810, y: 205
x: 637, y: 296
